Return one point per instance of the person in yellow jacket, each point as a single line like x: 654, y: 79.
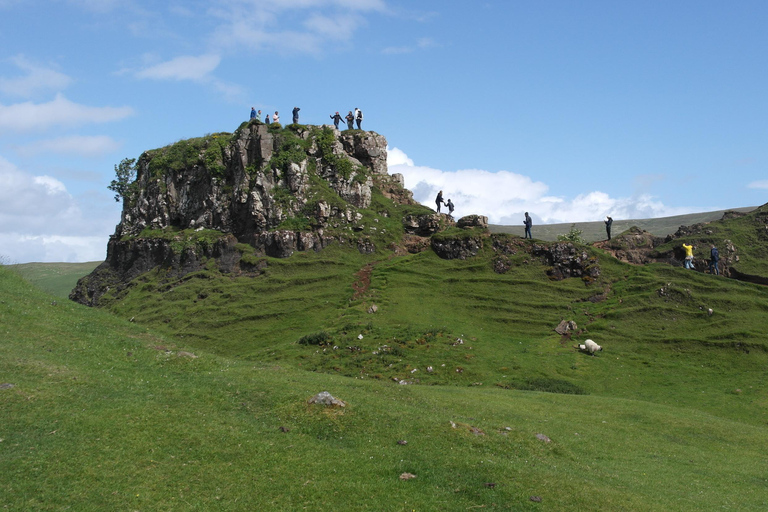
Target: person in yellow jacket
x: 688, y: 263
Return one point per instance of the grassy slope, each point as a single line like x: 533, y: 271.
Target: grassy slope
x: 593, y: 231
x: 55, y: 278
x: 106, y: 415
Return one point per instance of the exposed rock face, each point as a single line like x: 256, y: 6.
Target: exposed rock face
x: 236, y: 186
x: 278, y: 191
x: 457, y: 248
x: 567, y: 261
x: 473, y: 221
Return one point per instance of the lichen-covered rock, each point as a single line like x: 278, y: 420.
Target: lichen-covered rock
x: 473, y: 221
x: 566, y: 260
x: 457, y: 248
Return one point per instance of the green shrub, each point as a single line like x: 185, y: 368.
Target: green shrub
x: 316, y: 338
x: 574, y: 235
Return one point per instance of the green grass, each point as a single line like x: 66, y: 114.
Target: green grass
x: 460, y: 362
x: 55, y: 278
x: 106, y: 415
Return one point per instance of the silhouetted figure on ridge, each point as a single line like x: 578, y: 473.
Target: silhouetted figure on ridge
x: 528, y: 223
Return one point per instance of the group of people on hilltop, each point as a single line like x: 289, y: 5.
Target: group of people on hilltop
x: 351, y: 118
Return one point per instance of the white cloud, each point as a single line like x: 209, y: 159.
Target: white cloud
x: 41, y: 221
x: 761, y: 184
x: 504, y: 196
x: 250, y: 23
x: 186, y: 67
x: 29, y: 116
x: 37, y: 79
x: 77, y: 145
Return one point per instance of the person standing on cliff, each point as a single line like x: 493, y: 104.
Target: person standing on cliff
x: 253, y: 113
x: 336, y: 119
x: 296, y: 115
x: 266, y: 119
x: 608, y: 224
x: 350, y: 120
x: 714, y: 258
x: 439, y: 200
x: 449, y: 204
x: 276, y: 117
x: 528, y: 223
x: 358, y: 117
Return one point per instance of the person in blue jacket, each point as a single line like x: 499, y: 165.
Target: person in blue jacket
x: 253, y: 113
x: 714, y: 258
x: 528, y: 223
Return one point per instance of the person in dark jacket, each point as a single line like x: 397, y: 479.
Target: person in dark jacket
x: 449, y: 204
x: 296, y: 115
x: 253, y: 113
x: 608, y: 224
x: 528, y: 223
x: 439, y: 200
x: 350, y: 120
x: 714, y: 258
x: 336, y: 119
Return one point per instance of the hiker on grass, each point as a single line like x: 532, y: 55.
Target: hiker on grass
x: 336, y: 119
x: 253, y: 113
x: 266, y: 119
x: 608, y: 224
x: 688, y: 262
x: 714, y: 258
x: 528, y: 223
x: 276, y: 118
x: 358, y: 117
x: 296, y: 115
x: 449, y: 204
x: 439, y: 200
x: 350, y: 119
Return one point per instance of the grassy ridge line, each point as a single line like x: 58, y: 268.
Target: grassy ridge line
x: 102, y: 417
x: 55, y: 278
x: 594, y: 231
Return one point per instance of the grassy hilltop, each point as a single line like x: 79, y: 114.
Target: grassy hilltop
x: 200, y: 401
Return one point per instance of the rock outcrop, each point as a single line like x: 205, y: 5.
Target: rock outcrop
x: 273, y: 190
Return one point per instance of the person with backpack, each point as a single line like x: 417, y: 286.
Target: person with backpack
x: 714, y: 258
x: 350, y: 120
x: 608, y: 224
x: 358, y: 117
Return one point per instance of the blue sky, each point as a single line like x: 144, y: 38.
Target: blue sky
x: 571, y: 110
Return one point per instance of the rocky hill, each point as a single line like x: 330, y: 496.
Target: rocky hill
x: 263, y: 190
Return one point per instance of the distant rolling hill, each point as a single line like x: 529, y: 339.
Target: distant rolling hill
x: 594, y: 231
x: 55, y: 278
